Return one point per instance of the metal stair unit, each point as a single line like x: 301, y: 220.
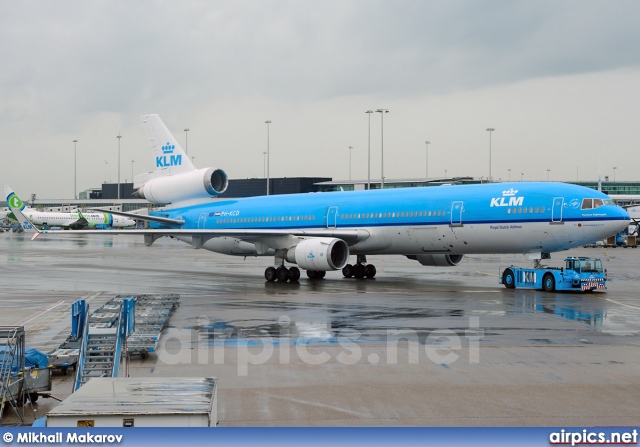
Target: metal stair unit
x: 102, y: 340
x: 12, y: 351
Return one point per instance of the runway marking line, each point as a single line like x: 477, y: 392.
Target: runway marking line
x: 485, y: 273
x: 614, y: 301
x: 22, y: 323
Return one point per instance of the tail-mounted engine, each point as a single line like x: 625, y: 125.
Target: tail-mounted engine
x: 438, y: 260
x: 320, y: 254
x: 196, y: 184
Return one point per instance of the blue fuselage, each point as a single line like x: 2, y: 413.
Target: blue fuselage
x: 487, y: 218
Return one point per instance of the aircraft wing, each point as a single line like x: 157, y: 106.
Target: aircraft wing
x: 350, y: 236
x: 80, y: 223
x: 158, y: 219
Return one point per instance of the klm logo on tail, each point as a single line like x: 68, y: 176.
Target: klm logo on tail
x: 168, y: 159
x: 508, y: 199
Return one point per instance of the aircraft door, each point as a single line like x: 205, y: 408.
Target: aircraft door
x: 456, y: 212
x: 332, y: 216
x: 201, y: 220
x: 556, y: 210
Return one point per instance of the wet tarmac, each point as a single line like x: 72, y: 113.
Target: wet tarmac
x: 415, y: 346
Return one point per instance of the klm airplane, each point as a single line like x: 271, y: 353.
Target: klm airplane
x: 321, y: 232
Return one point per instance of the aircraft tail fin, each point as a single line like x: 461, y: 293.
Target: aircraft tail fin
x: 168, y: 156
x: 17, y: 206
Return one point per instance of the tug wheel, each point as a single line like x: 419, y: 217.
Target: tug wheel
x: 548, y: 283
x: 509, y: 279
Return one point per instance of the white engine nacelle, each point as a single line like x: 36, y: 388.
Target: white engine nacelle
x: 438, y: 260
x: 320, y: 254
x: 196, y: 184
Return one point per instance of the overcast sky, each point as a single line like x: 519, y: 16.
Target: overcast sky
x: 558, y: 80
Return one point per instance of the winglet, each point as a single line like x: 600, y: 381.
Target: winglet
x: 16, y: 205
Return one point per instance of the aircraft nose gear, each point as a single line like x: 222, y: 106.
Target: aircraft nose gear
x: 360, y: 270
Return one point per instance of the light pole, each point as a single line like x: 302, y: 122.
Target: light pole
x: 75, y: 170
x: 509, y: 173
x: 426, y: 163
x: 369, y: 112
x: 186, y: 142
x: 382, y: 112
x: 264, y: 164
x: 105, y: 170
x: 490, y: 129
x: 119, y: 137
x: 268, y: 122
x: 521, y: 174
x: 548, y: 173
x: 350, y: 149
x: 614, y: 173
x: 132, y: 162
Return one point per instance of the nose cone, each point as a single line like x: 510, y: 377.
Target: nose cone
x: 622, y: 218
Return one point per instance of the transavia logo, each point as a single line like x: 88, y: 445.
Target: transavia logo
x: 168, y: 159
x: 508, y: 199
x: 14, y: 202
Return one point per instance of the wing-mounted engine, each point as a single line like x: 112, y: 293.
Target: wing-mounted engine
x: 196, y: 184
x: 442, y: 260
x: 320, y: 254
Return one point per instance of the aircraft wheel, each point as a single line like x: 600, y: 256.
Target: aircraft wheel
x: 294, y: 274
x: 347, y: 271
x: 548, y: 283
x: 321, y: 274
x: 312, y: 274
x: 509, y: 279
x: 359, y: 271
x: 282, y: 274
x: 270, y: 274
x: 370, y: 270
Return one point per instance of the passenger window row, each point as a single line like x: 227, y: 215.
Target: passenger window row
x: 523, y: 210
x: 233, y: 220
x: 352, y: 216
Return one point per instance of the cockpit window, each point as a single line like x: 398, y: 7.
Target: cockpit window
x: 588, y: 204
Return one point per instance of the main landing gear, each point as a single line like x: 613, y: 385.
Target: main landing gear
x: 282, y: 274
x: 360, y: 270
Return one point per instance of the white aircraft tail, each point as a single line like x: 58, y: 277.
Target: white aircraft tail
x: 17, y: 206
x: 168, y: 155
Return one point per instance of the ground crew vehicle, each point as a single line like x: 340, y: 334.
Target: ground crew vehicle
x: 578, y: 274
